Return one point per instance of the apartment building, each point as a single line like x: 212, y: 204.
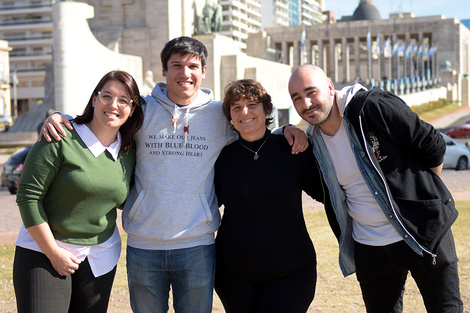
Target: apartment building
x: 292, y: 12
x: 240, y: 18
x: 27, y: 26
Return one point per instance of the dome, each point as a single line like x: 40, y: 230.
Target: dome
x: 366, y: 11
x: 446, y: 65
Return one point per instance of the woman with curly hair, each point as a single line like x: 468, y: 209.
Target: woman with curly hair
x: 265, y: 260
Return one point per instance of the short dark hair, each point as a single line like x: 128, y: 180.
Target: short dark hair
x: 134, y: 122
x: 183, y: 45
x: 247, y: 89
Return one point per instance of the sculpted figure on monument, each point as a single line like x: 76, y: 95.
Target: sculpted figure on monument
x: 211, y: 19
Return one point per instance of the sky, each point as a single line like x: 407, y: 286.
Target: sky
x: 459, y: 9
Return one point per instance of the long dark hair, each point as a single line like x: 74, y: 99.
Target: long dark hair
x: 134, y: 122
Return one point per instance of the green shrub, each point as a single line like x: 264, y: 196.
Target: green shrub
x: 430, y: 106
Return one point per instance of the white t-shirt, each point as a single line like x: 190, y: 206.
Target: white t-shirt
x: 370, y: 225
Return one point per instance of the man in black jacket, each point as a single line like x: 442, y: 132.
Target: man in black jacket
x: 391, y: 212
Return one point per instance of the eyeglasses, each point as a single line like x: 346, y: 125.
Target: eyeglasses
x: 108, y: 98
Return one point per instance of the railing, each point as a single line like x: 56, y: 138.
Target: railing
x: 32, y: 6
x: 36, y: 69
x: 13, y: 39
x: 23, y: 22
x: 28, y: 54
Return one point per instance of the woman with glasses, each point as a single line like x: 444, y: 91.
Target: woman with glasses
x: 69, y: 245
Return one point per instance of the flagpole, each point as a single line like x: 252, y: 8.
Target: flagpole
x: 412, y: 69
x: 378, y: 59
x: 302, y: 43
x: 437, y: 64
x: 404, y: 66
x: 369, y: 54
x: 398, y: 67
x: 15, y: 95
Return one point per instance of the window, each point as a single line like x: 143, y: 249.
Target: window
x: 283, y: 116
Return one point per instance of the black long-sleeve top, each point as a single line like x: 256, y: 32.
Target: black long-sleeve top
x: 263, y: 235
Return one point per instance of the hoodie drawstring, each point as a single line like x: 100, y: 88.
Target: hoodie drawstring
x: 174, y: 122
x: 174, y: 119
x: 186, y: 127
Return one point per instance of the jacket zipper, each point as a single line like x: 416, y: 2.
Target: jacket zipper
x: 388, y: 195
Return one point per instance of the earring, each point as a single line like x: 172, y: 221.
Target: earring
x: 231, y: 122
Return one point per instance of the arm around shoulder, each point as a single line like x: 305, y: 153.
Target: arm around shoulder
x: 52, y: 127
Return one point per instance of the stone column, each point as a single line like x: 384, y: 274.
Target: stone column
x: 285, y: 53
x: 345, y: 57
x: 321, y: 54
x: 406, y: 71
x: 406, y: 67
x: 420, y: 61
x: 333, y: 61
x: 297, y: 53
x: 308, y: 46
x: 395, y: 63
x: 357, y: 57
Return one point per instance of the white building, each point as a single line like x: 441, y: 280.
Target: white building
x: 291, y: 12
x: 27, y: 26
x: 5, y: 107
x: 240, y: 18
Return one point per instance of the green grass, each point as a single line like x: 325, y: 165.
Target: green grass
x: 431, y: 115
x: 7, y: 295
x: 334, y: 292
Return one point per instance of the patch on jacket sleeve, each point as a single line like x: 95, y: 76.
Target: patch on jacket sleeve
x: 374, y: 142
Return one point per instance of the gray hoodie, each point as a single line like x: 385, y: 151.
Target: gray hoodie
x: 173, y: 204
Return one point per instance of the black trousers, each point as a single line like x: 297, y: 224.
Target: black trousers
x: 292, y: 293
x: 39, y: 288
x: 382, y: 271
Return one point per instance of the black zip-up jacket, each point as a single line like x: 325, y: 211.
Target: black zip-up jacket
x: 405, y: 149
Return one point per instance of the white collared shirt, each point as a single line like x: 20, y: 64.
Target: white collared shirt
x: 94, y: 145
x: 102, y: 257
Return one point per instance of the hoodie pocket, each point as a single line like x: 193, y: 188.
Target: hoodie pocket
x: 165, y: 215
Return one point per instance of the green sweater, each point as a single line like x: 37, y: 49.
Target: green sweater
x: 77, y: 194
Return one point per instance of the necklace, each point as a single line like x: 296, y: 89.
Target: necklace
x: 174, y: 122
x: 256, y: 156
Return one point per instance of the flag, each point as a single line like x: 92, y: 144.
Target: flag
x: 395, y: 47
x: 401, y: 50
x: 15, y: 78
x: 432, y: 50
x: 377, y: 46
x: 368, y: 39
x: 425, y: 52
x: 420, y: 50
x: 386, y: 45
x: 408, y: 50
x: 302, y: 37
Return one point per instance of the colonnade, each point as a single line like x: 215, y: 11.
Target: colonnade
x: 401, y: 63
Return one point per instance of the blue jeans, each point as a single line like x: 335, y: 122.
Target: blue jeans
x: 190, y: 273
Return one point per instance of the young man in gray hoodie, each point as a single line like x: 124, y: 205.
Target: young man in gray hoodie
x: 171, y: 214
